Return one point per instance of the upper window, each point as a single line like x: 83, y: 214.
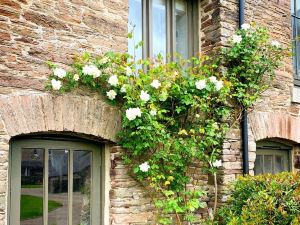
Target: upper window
x: 272, y: 157
x: 165, y: 26
x: 55, y: 182
x: 295, y: 7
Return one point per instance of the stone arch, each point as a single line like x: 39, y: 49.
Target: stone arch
x: 281, y: 125
x: 44, y: 112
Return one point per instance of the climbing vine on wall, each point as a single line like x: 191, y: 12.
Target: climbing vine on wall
x: 176, y: 113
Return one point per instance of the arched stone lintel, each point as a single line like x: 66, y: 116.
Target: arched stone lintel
x: 44, y: 112
x: 275, y: 125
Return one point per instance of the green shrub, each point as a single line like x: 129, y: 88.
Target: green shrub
x: 264, y: 199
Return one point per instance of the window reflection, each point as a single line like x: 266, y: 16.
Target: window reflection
x: 81, y: 187
x: 181, y: 28
x: 159, y: 26
x: 32, y: 171
x: 58, y: 186
x: 135, y: 25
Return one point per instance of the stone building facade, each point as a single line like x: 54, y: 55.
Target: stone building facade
x: 34, y: 31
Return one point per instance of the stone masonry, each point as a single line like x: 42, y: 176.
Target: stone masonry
x: 34, y: 31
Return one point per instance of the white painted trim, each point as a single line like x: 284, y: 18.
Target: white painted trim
x: 107, y: 185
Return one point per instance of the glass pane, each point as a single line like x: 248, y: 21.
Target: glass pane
x: 292, y: 6
x: 268, y: 166
x: 297, y: 7
x: 135, y: 25
x: 258, y: 168
x: 58, y: 187
x: 82, y: 187
x: 32, y: 171
x: 159, y: 27
x: 181, y: 28
x: 279, y: 164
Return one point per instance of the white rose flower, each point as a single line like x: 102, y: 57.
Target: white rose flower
x: 91, y: 70
x: 111, y: 94
x: 156, y: 84
x: 132, y: 113
x: 144, y: 167
x: 200, y: 84
x: 275, y: 44
x: 246, y: 26
x: 128, y: 71
x: 56, y: 84
x: 219, y: 85
x: 123, y: 89
x: 217, y: 163
x: 236, y: 39
x: 213, y: 79
x: 59, y: 72
x: 76, y: 77
x: 113, y: 80
x: 153, y: 112
x: 144, y: 96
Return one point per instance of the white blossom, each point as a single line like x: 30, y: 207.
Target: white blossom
x: 236, y: 39
x: 104, y: 60
x: 246, y: 26
x: 219, y: 85
x: 144, y: 167
x: 156, y: 84
x: 128, y: 71
x: 132, y: 113
x: 213, y: 79
x: 56, y: 84
x: 144, y: 96
x: 275, y: 44
x: 217, y: 163
x: 111, y: 94
x: 153, y: 112
x: 113, y: 80
x: 59, y: 72
x: 76, y: 77
x: 91, y: 70
x: 200, y: 84
x: 123, y: 89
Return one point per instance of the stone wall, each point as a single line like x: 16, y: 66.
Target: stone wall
x: 33, y: 31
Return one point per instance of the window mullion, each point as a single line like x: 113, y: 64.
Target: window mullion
x: 70, y: 187
x: 46, y: 188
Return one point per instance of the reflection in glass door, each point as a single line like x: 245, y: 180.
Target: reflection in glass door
x: 53, y: 185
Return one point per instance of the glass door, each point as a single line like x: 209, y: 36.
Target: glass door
x: 55, y: 182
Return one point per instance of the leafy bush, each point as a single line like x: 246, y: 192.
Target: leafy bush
x: 176, y: 113
x: 263, y: 200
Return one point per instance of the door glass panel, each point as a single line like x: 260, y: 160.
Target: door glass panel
x: 81, y: 187
x: 258, y: 169
x: 279, y: 163
x: 58, y: 187
x: 268, y: 163
x: 32, y: 171
x: 159, y: 27
x: 135, y: 25
x: 181, y: 28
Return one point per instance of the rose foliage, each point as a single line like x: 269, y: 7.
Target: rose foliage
x: 176, y: 113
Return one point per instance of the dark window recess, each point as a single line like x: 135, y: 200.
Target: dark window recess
x: 272, y: 157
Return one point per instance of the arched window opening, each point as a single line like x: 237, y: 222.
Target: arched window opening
x: 272, y: 157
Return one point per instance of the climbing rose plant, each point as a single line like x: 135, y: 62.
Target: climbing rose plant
x: 175, y: 114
